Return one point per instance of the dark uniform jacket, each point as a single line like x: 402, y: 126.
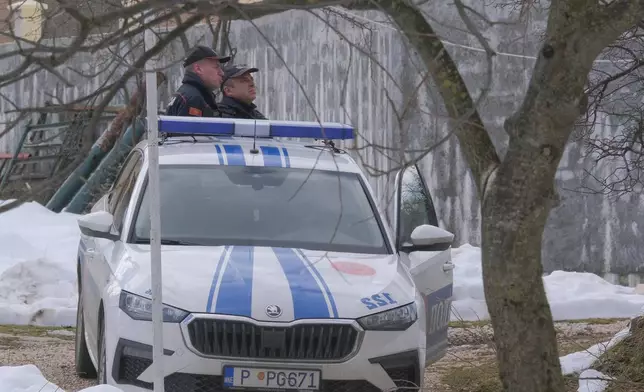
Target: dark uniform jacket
x: 193, y: 99
x: 232, y: 108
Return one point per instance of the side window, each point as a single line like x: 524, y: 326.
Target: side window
x: 415, y: 205
x: 121, y: 179
x: 123, y: 200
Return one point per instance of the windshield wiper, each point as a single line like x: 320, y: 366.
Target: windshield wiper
x: 166, y: 241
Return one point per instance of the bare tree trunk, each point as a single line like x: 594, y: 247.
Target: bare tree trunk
x: 514, y: 213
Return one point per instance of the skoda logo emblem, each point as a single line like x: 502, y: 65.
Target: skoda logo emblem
x: 273, y: 311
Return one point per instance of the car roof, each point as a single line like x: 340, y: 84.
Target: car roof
x: 206, y: 150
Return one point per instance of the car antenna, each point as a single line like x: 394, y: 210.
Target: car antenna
x: 254, y: 150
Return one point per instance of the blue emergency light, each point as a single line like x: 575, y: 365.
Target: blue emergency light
x: 214, y: 126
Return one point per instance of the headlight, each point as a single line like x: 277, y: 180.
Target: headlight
x: 140, y: 308
x: 398, y: 319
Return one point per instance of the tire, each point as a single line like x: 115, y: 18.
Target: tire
x: 84, y: 366
x: 102, y: 353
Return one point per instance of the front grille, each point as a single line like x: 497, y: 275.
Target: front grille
x: 238, y: 339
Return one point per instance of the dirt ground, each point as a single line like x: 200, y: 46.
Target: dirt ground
x: 469, y: 365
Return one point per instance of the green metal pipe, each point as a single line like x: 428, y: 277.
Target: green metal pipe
x: 76, y: 180
x: 105, y: 173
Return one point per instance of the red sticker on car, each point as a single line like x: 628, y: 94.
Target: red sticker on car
x: 351, y: 268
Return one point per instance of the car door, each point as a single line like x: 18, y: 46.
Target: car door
x: 97, y: 271
x: 430, y: 265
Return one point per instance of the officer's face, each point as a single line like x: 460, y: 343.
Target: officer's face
x: 210, y: 72
x: 243, y: 88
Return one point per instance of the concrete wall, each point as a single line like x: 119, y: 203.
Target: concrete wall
x: 585, y: 233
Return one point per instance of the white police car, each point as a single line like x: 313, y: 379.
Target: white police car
x: 279, y: 270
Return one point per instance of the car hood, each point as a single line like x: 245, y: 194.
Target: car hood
x: 270, y: 284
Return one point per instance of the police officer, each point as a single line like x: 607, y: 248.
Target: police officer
x: 203, y: 75
x: 239, y: 93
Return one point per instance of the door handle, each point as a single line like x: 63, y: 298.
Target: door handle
x: 448, y: 266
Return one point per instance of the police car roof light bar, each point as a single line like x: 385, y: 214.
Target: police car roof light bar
x: 214, y: 126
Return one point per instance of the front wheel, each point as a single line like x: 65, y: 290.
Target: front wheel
x: 84, y: 366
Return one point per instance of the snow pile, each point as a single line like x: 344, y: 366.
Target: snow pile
x: 582, y: 360
x: 572, y: 295
x: 28, y: 378
x: 38, y: 266
x: 592, y: 381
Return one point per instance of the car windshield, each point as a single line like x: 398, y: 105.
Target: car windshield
x: 263, y: 206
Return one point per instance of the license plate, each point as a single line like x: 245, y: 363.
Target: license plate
x: 249, y: 377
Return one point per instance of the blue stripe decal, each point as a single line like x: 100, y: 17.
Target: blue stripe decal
x: 219, y: 156
x: 235, y: 155
x: 236, y: 290
x: 326, y: 288
x: 286, y: 158
x: 308, y: 299
x: 215, y: 278
x: 272, y: 156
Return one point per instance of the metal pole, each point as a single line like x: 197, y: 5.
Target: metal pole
x: 155, y: 216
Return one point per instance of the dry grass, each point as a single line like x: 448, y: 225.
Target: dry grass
x: 478, y: 378
x: 32, y: 330
x: 473, y: 367
x: 484, y: 378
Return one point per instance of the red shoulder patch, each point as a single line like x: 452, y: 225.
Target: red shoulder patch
x: 194, y: 112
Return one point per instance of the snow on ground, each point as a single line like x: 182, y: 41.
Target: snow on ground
x: 582, y: 360
x: 572, y: 295
x: 38, y: 276
x: 38, y: 266
x: 28, y: 378
x: 592, y: 381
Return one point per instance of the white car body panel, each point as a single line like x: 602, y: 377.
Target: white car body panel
x: 242, y: 282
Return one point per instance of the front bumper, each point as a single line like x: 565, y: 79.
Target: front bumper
x: 378, y: 361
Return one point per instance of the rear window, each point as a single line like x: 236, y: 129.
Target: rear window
x: 263, y: 206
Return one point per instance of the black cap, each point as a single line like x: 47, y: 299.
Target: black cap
x: 233, y: 71
x: 204, y: 52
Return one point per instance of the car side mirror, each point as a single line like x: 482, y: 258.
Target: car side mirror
x: 98, y: 224
x: 429, y: 238
x: 430, y: 235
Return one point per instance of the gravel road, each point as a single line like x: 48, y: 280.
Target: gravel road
x: 52, y: 350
